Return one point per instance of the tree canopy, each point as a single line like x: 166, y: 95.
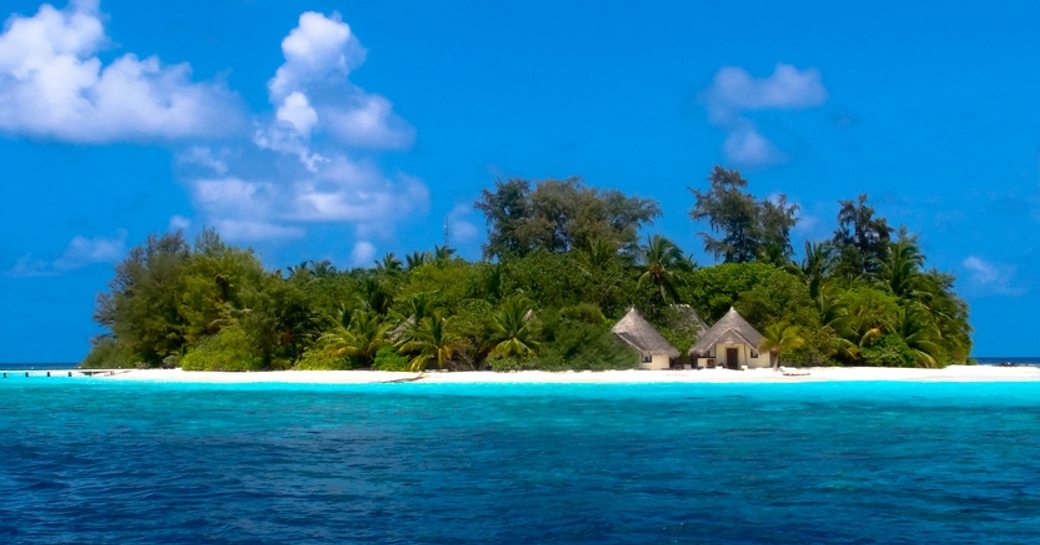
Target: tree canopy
x: 567, y: 263
x: 558, y: 216
x: 751, y: 230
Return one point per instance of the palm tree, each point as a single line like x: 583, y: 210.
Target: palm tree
x: 323, y: 268
x: 303, y: 270
x: 835, y: 322
x: 514, y: 335
x: 375, y: 296
x: 900, y: 273
x: 433, y: 341
x: 415, y: 260
x: 662, y: 259
x: 358, y: 335
x: 442, y: 253
x: 918, y: 330
x: 598, y: 255
x: 781, y: 337
x: 816, y: 266
x: 493, y: 281
x: 390, y: 264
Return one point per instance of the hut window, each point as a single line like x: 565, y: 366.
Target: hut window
x: 754, y: 353
x: 647, y: 358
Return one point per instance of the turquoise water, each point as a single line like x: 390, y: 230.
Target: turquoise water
x: 89, y: 461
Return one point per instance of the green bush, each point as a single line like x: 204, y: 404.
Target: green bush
x: 389, y: 359
x: 888, y: 351
x: 108, y: 354
x: 317, y: 358
x: 230, y: 349
x: 507, y: 364
x: 571, y: 344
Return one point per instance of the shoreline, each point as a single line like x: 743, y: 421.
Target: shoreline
x: 953, y: 373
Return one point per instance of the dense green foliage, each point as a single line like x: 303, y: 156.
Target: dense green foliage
x: 565, y: 263
x: 560, y: 215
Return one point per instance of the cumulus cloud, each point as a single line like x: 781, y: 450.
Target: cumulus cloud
x: 178, y: 223
x: 328, y: 128
x: 361, y: 195
x: 80, y: 252
x: 54, y: 85
x: 311, y: 92
x: 297, y: 112
x: 251, y: 230
x: 309, y: 160
x: 461, y: 226
x: 362, y: 254
x: 206, y: 158
x: 788, y: 88
x: 746, y: 146
x: 319, y: 47
x: 992, y: 277
x: 734, y: 93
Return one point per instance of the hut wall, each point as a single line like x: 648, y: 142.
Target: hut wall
x: 657, y: 361
x: 744, y: 356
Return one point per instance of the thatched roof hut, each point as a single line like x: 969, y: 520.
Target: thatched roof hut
x: 684, y: 317
x: 730, y: 329
x: 635, y: 331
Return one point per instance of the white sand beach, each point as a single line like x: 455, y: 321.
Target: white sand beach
x: 953, y: 373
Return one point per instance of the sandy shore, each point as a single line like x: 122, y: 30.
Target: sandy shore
x: 954, y: 373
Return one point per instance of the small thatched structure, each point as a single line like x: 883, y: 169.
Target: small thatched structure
x: 398, y: 333
x: 732, y: 342
x: 688, y: 318
x: 635, y: 331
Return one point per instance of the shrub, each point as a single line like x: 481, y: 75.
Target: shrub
x: 888, y: 351
x: 229, y: 350
x: 107, y: 353
x: 317, y: 358
x: 389, y: 359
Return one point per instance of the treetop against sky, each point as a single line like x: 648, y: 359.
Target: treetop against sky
x: 344, y: 130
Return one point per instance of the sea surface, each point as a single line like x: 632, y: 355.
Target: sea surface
x: 94, y: 462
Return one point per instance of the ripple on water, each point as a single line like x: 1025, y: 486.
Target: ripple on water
x: 91, y: 462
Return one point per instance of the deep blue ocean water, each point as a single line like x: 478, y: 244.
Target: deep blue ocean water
x: 93, y: 462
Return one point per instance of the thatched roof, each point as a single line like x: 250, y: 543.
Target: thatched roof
x: 640, y: 335
x: 397, y: 333
x: 731, y: 328
x: 687, y: 318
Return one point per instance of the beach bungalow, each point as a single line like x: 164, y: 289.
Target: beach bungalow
x: 731, y: 343
x: 655, y: 351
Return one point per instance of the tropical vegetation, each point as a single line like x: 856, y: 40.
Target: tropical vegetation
x: 561, y: 263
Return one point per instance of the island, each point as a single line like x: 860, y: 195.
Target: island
x: 568, y: 281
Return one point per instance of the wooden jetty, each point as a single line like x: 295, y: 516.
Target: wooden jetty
x: 68, y: 373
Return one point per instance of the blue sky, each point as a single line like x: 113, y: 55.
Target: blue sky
x: 340, y: 130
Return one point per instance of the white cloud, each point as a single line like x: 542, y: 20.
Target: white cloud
x: 362, y: 254
x: 80, y: 252
x: 54, y: 85
x: 296, y: 111
x: 461, y: 228
x: 249, y: 230
x: 747, y: 147
x: 204, y: 157
x: 250, y: 210
x: 318, y: 47
x: 370, y: 124
x: 284, y: 138
x: 178, y: 223
x: 734, y: 92
x: 311, y: 92
x: 992, y: 277
x: 788, y: 88
x: 325, y: 123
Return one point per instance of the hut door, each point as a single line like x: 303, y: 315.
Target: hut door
x: 732, y: 358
